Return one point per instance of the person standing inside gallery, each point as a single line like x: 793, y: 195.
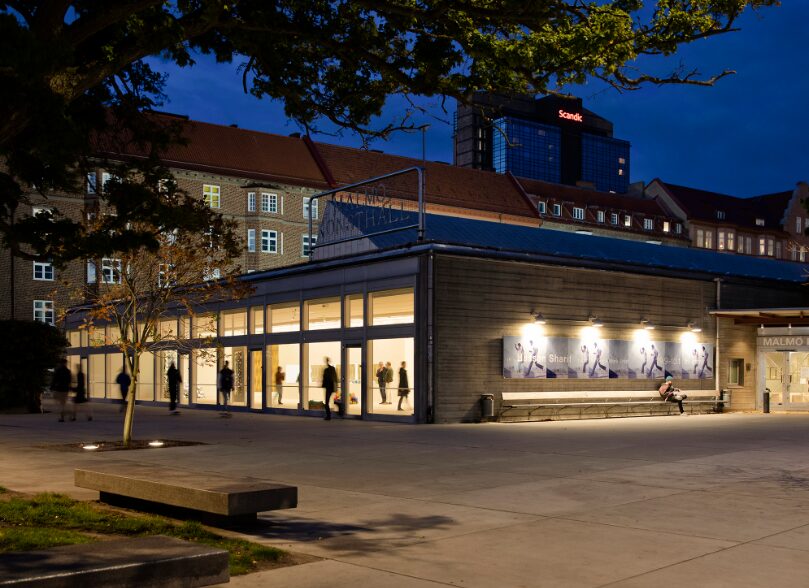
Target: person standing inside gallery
x: 173, y: 380
x: 124, y: 381
x: 330, y: 386
x: 280, y: 376
x: 225, y: 385
x: 404, y: 386
x: 60, y: 386
x: 381, y: 372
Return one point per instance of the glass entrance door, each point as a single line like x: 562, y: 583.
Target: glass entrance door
x: 774, y: 370
x: 797, y: 380
x: 352, y: 385
x: 786, y: 375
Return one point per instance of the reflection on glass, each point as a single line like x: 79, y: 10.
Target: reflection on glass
x: 391, y: 376
x: 204, y: 326
x: 95, y: 376
x: 115, y: 363
x: 775, y: 362
x: 256, y: 378
x: 353, y: 312
x: 205, y: 376
x: 237, y: 358
x: 316, y: 354
x: 145, y: 389
x: 283, y: 377
x: 234, y: 323
x: 799, y: 377
x: 323, y: 314
x: 391, y: 307
x: 353, y: 375
x: 75, y: 338
x: 284, y: 317
x: 168, y: 329
x: 257, y: 320
x: 165, y: 358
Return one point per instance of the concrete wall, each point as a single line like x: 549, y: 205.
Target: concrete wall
x: 738, y: 342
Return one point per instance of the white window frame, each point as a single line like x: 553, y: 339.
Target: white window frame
x: 614, y: 218
x: 269, y: 241
x: 251, y: 202
x: 762, y: 245
x: 798, y: 224
x: 748, y: 245
x: 43, y: 312
x: 600, y: 216
x: 770, y: 247
x: 557, y: 210
x: 251, y: 240
x: 541, y: 207
x: 759, y: 222
x: 43, y: 268
x: 105, y: 177
x: 708, y: 239
x: 666, y: 227
x: 648, y: 224
x: 306, y: 249
x: 212, y: 195
x: 269, y: 202
x: 678, y: 228
x: 578, y: 213
x: 700, y: 238
x: 720, y: 215
x: 92, y: 273
x: 731, y: 237
x: 628, y: 221
x: 720, y: 240
x: 307, y: 201
x: 92, y: 182
x: 109, y: 267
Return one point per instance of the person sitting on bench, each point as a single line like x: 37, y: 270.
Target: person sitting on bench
x: 671, y: 394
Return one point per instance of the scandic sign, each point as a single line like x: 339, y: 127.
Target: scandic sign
x: 576, y: 117
x: 782, y: 341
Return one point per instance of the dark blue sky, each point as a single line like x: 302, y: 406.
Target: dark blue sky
x: 747, y: 135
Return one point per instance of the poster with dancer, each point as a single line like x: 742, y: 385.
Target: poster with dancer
x: 646, y: 360
x: 524, y: 357
x: 558, y: 357
x: 589, y: 358
x: 697, y: 361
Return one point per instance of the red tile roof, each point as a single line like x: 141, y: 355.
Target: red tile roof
x: 539, y: 190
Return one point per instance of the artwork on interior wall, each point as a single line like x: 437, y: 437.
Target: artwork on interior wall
x: 595, y: 358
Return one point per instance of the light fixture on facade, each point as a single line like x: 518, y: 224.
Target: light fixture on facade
x: 647, y: 325
x: 694, y: 328
x: 595, y: 322
x: 539, y: 319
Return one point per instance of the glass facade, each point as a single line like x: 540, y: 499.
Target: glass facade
x: 284, y: 375
x: 527, y: 149
x: 605, y: 163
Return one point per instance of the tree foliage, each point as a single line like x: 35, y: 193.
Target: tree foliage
x: 73, y: 70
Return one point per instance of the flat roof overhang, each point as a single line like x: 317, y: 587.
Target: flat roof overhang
x: 768, y: 317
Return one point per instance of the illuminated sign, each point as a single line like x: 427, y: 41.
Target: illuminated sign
x: 571, y: 116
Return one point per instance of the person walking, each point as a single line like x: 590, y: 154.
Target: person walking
x: 81, y: 397
x: 124, y: 381
x: 60, y: 386
x: 671, y: 394
x: 280, y: 376
x: 404, y: 386
x: 388, y: 377
x: 173, y: 380
x: 329, y: 385
x: 381, y: 372
x: 225, y: 385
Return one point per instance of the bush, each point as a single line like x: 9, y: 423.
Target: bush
x: 29, y: 350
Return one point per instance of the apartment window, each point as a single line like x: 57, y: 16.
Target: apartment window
x: 798, y: 225
x: 794, y: 253
x: 43, y: 311
x: 700, y: 238
x: 627, y: 220
x: 541, y: 207
x: 251, y: 240
x: 307, y: 202
x: 740, y: 247
x: 720, y: 240
x: 212, y: 195
x: 43, y: 271
x: 105, y: 179
x: 666, y: 226
x: 678, y: 228
x: 614, y: 218
x: 269, y: 241
x: 91, y: 272
x: 557, y: 210
x: 803, y: 254
x: 91, y: 183
x: 731, y: 241
x: 269, y: 202
x: 110, y: 271
x: 736, y: 372
x: 708, y: 239
x: 578, y: 213
x: 748, y: 245
x: 251, y: 202
x: 648, y: 224
x: 778, y: 249
x: 759, y: 222
x: 621, y: 160
x: 600, y: 216
x: 306, y: 248
x: 720, y: 215
x: 762, y: 246
x: 770, y: 247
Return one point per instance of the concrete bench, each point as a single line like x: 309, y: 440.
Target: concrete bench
x: 584, y: 399
x: 143, y: 562
x: 210, y: 498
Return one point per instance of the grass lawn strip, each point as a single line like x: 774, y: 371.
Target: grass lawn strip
x: 48, y: 520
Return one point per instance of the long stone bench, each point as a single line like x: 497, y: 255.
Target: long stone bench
x: 210, y: 498
x: 143, y: 562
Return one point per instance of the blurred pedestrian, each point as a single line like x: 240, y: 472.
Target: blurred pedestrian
x: 60, y: 386
x: 173, y: 379
x: 81, y: 398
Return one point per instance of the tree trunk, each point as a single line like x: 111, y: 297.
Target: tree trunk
x: 129, y: 416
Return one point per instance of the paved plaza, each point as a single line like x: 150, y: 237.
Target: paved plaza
x: 714, y: 500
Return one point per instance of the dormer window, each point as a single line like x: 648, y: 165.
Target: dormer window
x: 759, y: 222
x: 720, y: 215
x: 541, y: 207
x: 578, y: 213
x: 557, y: 210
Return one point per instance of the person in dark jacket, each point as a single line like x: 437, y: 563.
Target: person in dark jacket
x: 124, y: 381
x: 173, y: 380
x: 225, y: 384
x: 330, y: 386
x: 404, y: 386
x: 60, y: 386
x: 81, y: 396
x: 381, y: 372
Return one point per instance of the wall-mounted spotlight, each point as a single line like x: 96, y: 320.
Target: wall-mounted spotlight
x: 694, y: 328
x: 539, y: 319
x: 595, y: 322
x: 647, y: 325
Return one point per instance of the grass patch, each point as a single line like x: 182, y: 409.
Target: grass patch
x: 49, y: 520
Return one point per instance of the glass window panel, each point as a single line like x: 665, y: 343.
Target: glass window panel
x: 168, y: 329
x: 284, y: 317
x: 145, y: 390
x: 113, y: 335
x: 205, y: 372
x: 185, y: 327
x: 284, y: 374
x: 234, y: 323
x: 323, y: 313
x: 237, y: 358
x: 353, y: 313
x: 96, y: 376
x: 257, y: 320
x: 165, y: 358
x: 391, y: 307
x: 396, y: 386
x: 115, y: 363
x: 315, y: 356
x: 75, y: 338
x: 204, y: 326
x: 256, y: 379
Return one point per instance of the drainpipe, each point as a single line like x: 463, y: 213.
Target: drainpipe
x: 718, y: 282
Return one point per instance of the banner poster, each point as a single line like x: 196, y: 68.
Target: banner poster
x: 697, y: 361
x: 524, y: 357
x: 558, y: 356
x: 589, y: 358
x: 619, y: 358
x: 646, y: 360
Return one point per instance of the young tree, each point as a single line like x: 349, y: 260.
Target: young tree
x: 72, y: 70
x: 136, y: 288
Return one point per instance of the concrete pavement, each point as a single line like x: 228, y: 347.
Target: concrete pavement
x: 713, y: 500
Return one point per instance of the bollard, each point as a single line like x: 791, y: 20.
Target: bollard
x: 486, y: 407
x: 766, y: 400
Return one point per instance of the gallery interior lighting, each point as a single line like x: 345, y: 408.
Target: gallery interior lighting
x: 596, y: 322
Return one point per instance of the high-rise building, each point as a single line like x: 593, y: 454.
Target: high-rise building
x: 553, y: 139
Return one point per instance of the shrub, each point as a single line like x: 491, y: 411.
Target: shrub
x: 29, y: 350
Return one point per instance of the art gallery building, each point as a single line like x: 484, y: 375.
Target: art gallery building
x: 444, y: 300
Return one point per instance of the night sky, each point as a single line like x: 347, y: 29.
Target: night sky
x: 746, y: 136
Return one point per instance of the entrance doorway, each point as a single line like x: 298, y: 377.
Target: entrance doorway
x: 786, y: 375
x: 352, y: 387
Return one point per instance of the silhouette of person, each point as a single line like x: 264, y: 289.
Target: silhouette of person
x: 173, y: 380
x: 124, y: 381
x: 81, y: 396
x: 597, y: 361
x: 330, y: 385
x: 404, y: 386
x: 654, y: 365
x: 60, y: 386
x: 225, y: 385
